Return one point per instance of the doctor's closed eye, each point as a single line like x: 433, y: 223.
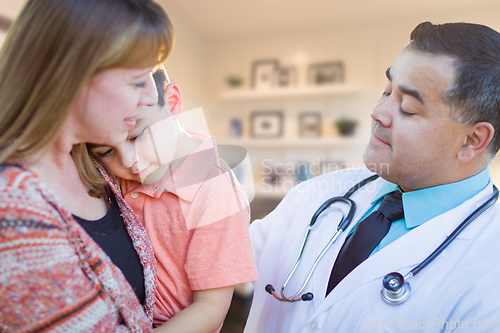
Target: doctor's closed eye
x: 386, y: 93
x: 405, y: 114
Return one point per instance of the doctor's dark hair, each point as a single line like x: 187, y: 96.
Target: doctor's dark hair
x: 475, y: 94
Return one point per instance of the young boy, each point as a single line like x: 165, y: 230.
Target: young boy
x: 193, y: 209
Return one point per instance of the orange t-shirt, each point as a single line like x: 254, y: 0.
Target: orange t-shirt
x: 198, y: 221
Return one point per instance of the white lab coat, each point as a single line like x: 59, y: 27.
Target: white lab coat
x: 458, y: 290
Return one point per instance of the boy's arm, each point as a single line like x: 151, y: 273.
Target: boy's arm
x: 205, y: 315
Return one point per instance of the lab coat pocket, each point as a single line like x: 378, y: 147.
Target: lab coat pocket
x: 368, y: 324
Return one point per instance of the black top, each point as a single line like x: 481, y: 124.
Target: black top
x: 110, y: 233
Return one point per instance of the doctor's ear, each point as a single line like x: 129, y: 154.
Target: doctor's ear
x: 478, y: 138
x: 173, y: 97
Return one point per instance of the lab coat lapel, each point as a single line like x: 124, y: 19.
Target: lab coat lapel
x: 315, y: 243
x: 363, y: 199
x: 408, y: 251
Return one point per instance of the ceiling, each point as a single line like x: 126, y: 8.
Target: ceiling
x: 222, y: 19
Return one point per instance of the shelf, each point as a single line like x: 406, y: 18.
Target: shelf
x: 334, y: 142
x: 332, y: 90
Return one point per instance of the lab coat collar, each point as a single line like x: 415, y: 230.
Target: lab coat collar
x: 417, y: 245
x: 436, y: 199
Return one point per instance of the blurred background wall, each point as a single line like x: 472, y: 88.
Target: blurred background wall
x: 221, y: 40
x: 324, y: 61
x: 274, y: 76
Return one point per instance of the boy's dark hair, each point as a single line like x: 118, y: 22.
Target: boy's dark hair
x: 475, y: 94
x: 161, y: 81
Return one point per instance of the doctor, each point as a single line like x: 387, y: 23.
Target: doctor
x: 436, y: 128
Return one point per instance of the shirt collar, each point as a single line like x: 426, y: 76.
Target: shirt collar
x: 436, y: 199
x: 187, y: 179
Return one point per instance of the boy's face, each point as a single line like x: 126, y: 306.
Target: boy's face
x: 148, y: 151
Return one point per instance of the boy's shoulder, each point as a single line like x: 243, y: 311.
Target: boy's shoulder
x: 203, y: 175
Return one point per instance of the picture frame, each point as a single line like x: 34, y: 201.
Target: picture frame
x: 285, y: 77
x: 263, y: 74
x: 266, y: 124
x: 326, y: 73
x: 310, y: 125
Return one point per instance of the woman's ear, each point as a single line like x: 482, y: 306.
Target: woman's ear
x: 173, y: 97
x: 478, y: 138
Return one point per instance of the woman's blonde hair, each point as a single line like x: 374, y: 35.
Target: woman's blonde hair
x: 55, y: 46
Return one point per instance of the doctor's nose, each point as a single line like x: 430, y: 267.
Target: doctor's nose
x: 381, y: 112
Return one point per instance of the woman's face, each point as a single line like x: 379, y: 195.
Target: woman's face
x: 109, y: 104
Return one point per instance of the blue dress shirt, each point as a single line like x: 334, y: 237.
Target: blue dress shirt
x: 423, y: 205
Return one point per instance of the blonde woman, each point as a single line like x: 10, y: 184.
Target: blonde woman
x: 73, y: 71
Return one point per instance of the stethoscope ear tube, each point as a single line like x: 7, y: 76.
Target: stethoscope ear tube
x: 304, y: 297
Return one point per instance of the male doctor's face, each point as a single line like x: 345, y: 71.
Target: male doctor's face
x: 414, y: 142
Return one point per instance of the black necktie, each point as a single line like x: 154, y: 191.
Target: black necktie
x: 365, y: 238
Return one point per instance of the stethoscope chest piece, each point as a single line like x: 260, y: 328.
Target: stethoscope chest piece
x: 395, y: 290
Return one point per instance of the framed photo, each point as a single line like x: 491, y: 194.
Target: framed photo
x: 285, y: 77
x: 263, y: 74
x: 310, y: 124
x: 267, y: 124
x: 326, y: 73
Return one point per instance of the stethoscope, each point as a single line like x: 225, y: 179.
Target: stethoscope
x: 395, y: 288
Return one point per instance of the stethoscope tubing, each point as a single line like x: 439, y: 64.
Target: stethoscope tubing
x: 344, y: 223
x: 311, y: 271
x: 455, y: 233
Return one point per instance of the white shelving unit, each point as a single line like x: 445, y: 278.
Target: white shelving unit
x: 329, y: 142
x: 292, y: 92
x: 332, y: 102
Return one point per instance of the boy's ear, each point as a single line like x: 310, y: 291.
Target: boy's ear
x: 174, y: 99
